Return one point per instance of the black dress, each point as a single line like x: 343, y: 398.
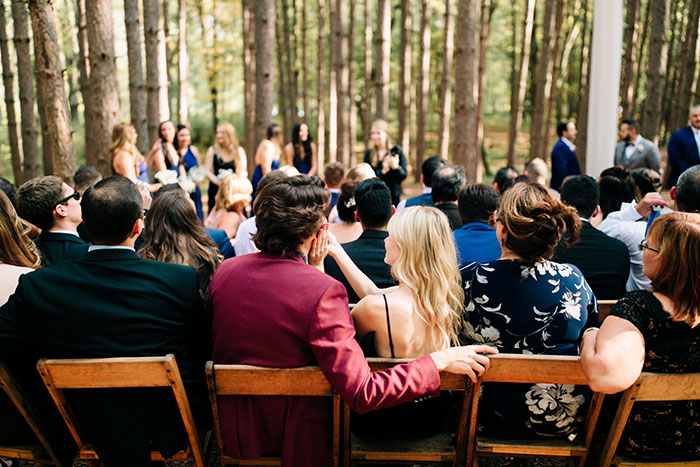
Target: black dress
x: 219, y: 164
x: 392, y: 178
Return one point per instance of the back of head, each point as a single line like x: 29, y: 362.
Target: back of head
x: 477, y: 203
x: 428, y: 168
x: 273, y: 130
x: 85, y: 177
x: 15, y: 246
x: 613, y: 192
x: 536, y: 169
x: 287, y: 212
x: 373, y: 203
x: 8, y: 188
x: 688, y: 190
x: 535, y: 221
x: 333, y: 174
x: 617, y: 171
x: 37, y: 198
x: 110, y: 209
x: 234, y: 193
x: 346, y: 202
x: 581, y: 192
x: 447, y: 181
x: 503, y: 175
x: 646, y: 180
x: 269, y: 178
x: 360, y: 172
x: 561, y: 128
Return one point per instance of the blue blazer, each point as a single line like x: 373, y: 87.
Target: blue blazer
x: 564, y: 163
x: 682, y: 154
x: 426, y: 199
x: 476, y: 243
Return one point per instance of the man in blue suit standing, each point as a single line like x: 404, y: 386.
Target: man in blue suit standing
x: 683, y: 148
x: 564, y: 160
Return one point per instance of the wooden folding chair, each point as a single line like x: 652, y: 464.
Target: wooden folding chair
x: 246, y: 380
x: 604, y: 308
x: 649, y: 387
x: 442, y: 447
x: 35, y: 452
x: 135, y: 372
x: 516, y: 368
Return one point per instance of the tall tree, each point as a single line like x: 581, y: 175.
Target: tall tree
x: 30, y: 164
x: 210, y: 54
x: 554, y: 79
x: 291, y: 75
x: 265, y: 19
x: 49, y: 71
x: 168, y: 54
x: 332, y: 83
x: 518, y: 91
x: 341, y: 76
x: 405, y: 83
x: 352, y: 106
x: 629, y: 58
x: 157, y: 105
x: 249, y: 78
x: 540, y: 99
x: 423, y: 80
x: 282, y: 87
x: 367, y: 95
x: 677, y: 27
x: 584, y: 79
x: 685, y: 89
x: 137, y: 89
x: 465, y: 152
x: 183, y: 64
x: 641, y: 59
x: 320, y: 88
x: 46, y: 155
x: 8, y: 82
x: 383, y: 46
x: 304, y: 68
x: 446, y: 82
x: 84, y: 68
x: 656, y: 68
x: 486, y: 12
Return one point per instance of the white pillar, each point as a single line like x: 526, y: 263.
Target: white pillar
x: 606, y: 59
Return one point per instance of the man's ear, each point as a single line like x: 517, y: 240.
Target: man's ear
x: 60, y: 211
x: 672, y: 193
x: 137, y: 228
x: 596, y: 211
x: 492, y: 220
x: 393, y: 209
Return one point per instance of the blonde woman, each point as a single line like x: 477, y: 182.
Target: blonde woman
x: 387, y: 160
x: 126, y: 159
x: 226, y: 154
x: 231, y: 199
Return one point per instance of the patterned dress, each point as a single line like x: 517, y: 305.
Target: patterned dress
x: 526, y: 308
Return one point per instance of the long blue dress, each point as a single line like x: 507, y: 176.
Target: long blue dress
x: 191, y: 161
x: 258, y: 175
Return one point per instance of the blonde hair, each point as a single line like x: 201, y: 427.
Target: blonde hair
x: 17, y: 248
x: 359, y: 173
x: 122, y: 135
x: 427, y: 265
x: 231, y: 145
x: 374, y: 153
x: 234, y: 193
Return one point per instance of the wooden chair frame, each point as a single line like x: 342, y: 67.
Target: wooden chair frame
x: 40, y: 453
x: 649, y: 387
x: 517, y: 368
x: 247, y: 380
x: 134, y: 372
x: 409, y: 451
x: 604, y: 308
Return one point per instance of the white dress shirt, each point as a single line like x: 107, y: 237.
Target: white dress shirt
x: 631, y: 147
x: 696, y: 133
x: 243, y: 242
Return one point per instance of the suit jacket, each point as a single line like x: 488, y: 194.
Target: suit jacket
x: 56, y: 247
x: 646, y: 154
x: 112, y: 303
x: 222, y: 242
x: 682, y: 154
x: 564, y: 163
x: 476, y: 242
x: 367, y: 252
x: 603, y: 260
x: 426, y: 199
x: 452, y: 213
x: 280, y: 312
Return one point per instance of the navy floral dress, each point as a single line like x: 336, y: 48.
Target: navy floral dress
x: 529, y: 308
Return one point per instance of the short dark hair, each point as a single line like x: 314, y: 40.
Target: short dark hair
x: 688, y: 190
x: 631, y: 124
x: 617, y: 171
x: 428, y: 168
x: 270, y: 177
x: 85, y: 177
x: 613, y: 192
x: 373, y: 203
x: 287, y: 212
x: 503, y: 175
x: 273, y: 129
x: 346, y: 202
x: 562, y: 127
x: 581, y: 192
x: 333, y: 173
x: 477, y: 203
x: 447, y: 181
x: 110, y: 209
x: 37, y: 198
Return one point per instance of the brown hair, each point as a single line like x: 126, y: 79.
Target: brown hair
x: 678, y: 274
x: 535, y: 221
x: 37, y: 198
x: 17, y: 249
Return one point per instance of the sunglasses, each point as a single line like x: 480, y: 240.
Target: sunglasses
x: 75, y: 195
x: 643, y: 244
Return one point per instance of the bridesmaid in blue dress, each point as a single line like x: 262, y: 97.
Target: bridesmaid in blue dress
x: 189, y: 157
x: 163, y: 155
x: 225, y: 154
x: 301, y: 152
x: 523, y: 303
x: 267, y: 156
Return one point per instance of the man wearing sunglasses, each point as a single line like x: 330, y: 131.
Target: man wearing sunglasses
x: 54, y: 207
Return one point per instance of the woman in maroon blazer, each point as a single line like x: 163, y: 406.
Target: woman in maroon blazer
x: 272, y: 309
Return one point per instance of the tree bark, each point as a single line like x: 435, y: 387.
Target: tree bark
x: 423, y: 81
x: 383, y: 45
x: 137, y: 90
x: 8, y: 80
x: 584, y: 74
x: 405, y: 82
x: 656, y: 68
x: 332, y: 84
x: 84, y: 68
x: 367, y: 95
x: 540, y: 99
x: 168, y: 54
x: 158, y: 109
x: 352, y: 106
x: 518, y: 92
x: 265, y: 19
x: 641, y: 60
x: 341, y: 76
x: 249, y: 79
x: 49, y: 70
x: 46, y: 155
x: 210, y: 61
x: 673, y: 68
x: 282, y: 88
x: 486, y: 13
x: 629, y: 58
x: 320, y: 89
x: 291, y: 75
x: 305, y: 75
x: 465, y: 153
x: 446, y: 82
x: 686, y: 90
x: 183, y: 64
x: 554, y: 79
x: 30, y: 164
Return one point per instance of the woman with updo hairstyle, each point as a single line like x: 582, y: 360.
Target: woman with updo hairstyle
x: 231, y: 199
x: 348, y: 229
x: 525, y: 303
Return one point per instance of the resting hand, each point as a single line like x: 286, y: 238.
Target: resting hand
x: 319, y: 248
x: 145, y: 192
x: 466, y: 360
x: 650, y: 199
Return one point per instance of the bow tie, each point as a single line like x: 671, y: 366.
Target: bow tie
x: 629, y: 144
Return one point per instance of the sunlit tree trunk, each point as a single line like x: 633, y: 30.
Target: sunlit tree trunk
x: 291, y: 75
x: 446, y: 82
x: 367, y: 95
x: 540, y: 99
x: 320, y: 88
x: 332, y: 84
x: 137, y: 89
x: 84, y: 76
x: 352, y: 106
x: 341, y: 76
x: 183, y: 64
x: 8, y: 83
x: 629, y: 58
x: 405, y: 82
x: 249, y: 79
x: 423, y: 81
x: 554, y: 79
x: 157, y: 105
x: 685, y: 90
x: 265, y: 19
x: 656, y: 68
x: 383, y: 47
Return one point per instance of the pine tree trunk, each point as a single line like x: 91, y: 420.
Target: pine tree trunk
x: 168, y: 54
x: 158, y: 109
x: 210, y: 62
x: 486, y: 12
x: 291, y: 75
x: 656, y: 68
x: 8, y: 80
x: 367, y: 95
x: 30, y: 164
x: 554, y: 79
x: 629, y: 58
x: 465, y: 153
x: 673, y: 68
x: 518, y: 92
x: 183, y: 64
x: 352, y: 106
x: 46, y: 155
x: 405, y: 82
x: 305, y: 75
x: 332, y: 83
x: 538, y: 111
x: 571, y: 38
x: 320, y: 89
x: 49, y: 70
x: 641, y: 60
x: 686, y: 90
x: 249, y: 79
x: 383, y: 45
x: 423, y: 81
x: 584, y: 74
x: 84, y: 67
x: 282, y: 88
x: 446, y: 82
x: 137, y: 89
x: 341, y: 76
x: 265, y: 20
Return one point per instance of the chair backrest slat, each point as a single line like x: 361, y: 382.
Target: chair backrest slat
x: 260, y: 381
x: 604, y: 308
x: 668, y: 387
x: 516, y: 368
x: 448, y: 381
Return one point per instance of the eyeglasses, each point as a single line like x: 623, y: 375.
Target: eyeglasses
x: 75, y: 195
x: 643, y: 244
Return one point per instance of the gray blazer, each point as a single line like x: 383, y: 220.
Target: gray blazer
x: 645, y: 155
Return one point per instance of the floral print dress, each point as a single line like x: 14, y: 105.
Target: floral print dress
x: 529, y: 308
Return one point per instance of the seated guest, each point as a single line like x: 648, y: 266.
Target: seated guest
x: 348, y: 229
x: 272, y: 309
x: 8, y: 188
x: 525, y: 303
x: 476, y: 240
x: 374, y: 209
x: 173, y: 234
x: 359, y: 173
x: 54, y: 207
x: 655, y: 331
x: 537, y: 170
x: 504, y: 178
x: 604, y: 261
x: 233, y: 196
x: 646, y: 181
x: 428, y: 168
x: 686, y: 193
x: 333, y: 176
x: 85, y: 177
x: 447, y: 181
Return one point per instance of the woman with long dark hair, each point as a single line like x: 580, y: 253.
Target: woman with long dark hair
x: 163, y: 155
x: 301, y: 152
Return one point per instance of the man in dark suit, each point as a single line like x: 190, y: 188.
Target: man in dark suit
x: 564, y: 160
x: 683, y: 148
x: 111, y: 303
x: 374, y: 209
x: 428, y: 168
x: 447, y: 181
x: 604, y: 261
x: 54, y: 207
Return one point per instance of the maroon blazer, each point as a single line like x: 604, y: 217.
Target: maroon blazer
x: 280, y: 312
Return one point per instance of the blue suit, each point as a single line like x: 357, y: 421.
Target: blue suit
x: 476, y: 243
x: 564, y: 163
x: 682, y: 154
x: 426, y: 199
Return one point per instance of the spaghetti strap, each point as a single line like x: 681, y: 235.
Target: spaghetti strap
x: 388, y: 326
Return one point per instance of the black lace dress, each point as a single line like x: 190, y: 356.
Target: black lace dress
x: 663, y: 431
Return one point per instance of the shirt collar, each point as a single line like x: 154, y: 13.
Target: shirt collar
x: 70, y: 232
x: 427, y: 190
x: 569, y: 143
x: 110, y: 247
